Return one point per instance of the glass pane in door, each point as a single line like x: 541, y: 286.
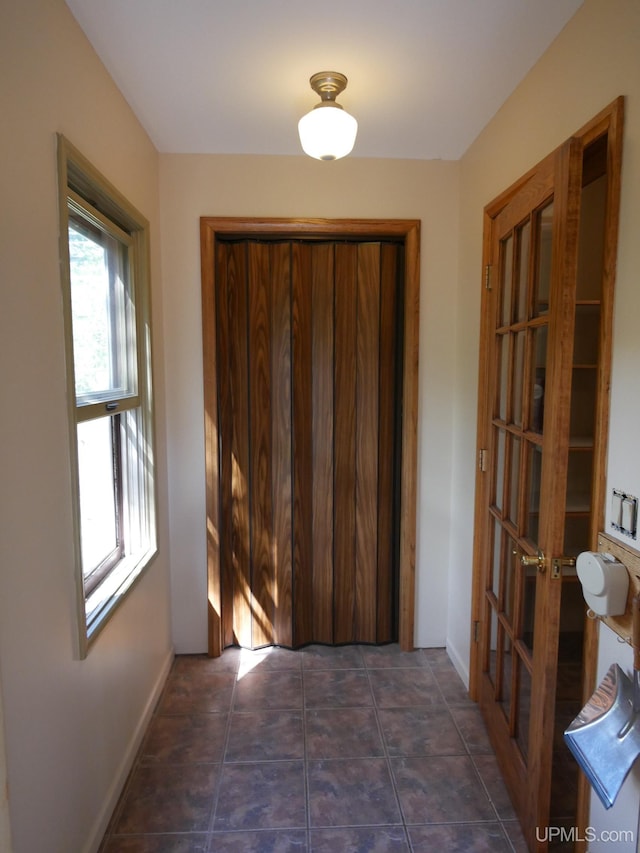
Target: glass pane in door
x: 514, y: 480
x: 528, y: 609
x: 506, y: 656
x: 544, y: 222
x: 499, y: 468
x: 538, y: 377
x: 510, y: 578
x: 496, y: 561
x: 503, y: 380
x: 522, y: 282
x: 524, y: 708
x: 507, y: 276
x: 518, y: 377
x: 492, y: 651
x: 534, y: 475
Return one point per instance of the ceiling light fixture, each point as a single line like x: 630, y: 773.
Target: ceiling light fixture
x: 328, y: 132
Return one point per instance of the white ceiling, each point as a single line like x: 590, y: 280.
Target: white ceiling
x: 425, y: 76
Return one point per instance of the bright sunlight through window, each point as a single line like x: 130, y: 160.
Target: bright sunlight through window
x: 109, y: 373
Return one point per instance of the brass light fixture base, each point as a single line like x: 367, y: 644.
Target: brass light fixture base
x: 327, y: 134
x: 328, y: 84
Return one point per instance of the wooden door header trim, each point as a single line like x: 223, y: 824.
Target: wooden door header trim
x: 594, y: 128
x: 330, y: 228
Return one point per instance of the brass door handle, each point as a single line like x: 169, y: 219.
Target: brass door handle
x: 539, y: 562
x: 533, y: 562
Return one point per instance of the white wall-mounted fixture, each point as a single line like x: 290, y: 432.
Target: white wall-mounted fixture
x: 605, y: 583
x: 328, y: 132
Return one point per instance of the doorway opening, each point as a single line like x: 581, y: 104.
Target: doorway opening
x: 310, y: 331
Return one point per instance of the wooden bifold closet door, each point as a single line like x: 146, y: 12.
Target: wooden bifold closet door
x: 309, y: 387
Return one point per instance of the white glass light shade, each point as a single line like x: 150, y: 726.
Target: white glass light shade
x: 327, y: 133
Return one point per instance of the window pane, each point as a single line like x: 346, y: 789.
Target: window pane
x: 113, y: 469
x: 98, y: 506
x: 102, y: 314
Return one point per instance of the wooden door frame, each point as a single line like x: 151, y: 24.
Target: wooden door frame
x: 408, y: 232
x: 608, y: 122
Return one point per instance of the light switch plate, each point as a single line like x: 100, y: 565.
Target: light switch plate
x: 629, y: 516
x: 616, y: 509
x: 624, y: 513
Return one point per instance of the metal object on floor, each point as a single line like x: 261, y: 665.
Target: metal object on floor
x: 605, y: 736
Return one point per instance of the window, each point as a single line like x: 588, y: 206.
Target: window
x: 104, y: 250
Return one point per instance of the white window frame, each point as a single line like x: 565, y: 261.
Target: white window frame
x: 84, y: 192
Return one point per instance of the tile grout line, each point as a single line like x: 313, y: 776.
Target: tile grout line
x: 216, y: 796
x: 370, y: 666
x: 387, y: 757
x: 305, y: 763
x: 470, y: 755
x: 135, y: 765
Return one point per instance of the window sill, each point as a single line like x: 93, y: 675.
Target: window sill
x: 113, y: 590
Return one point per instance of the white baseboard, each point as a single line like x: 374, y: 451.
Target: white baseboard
x: 461, y: 665
x: 113, y: 794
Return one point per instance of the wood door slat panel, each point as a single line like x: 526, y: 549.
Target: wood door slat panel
x: 345, y: 442
x: 322, y: 439
x: 259, y: 371
x: 238, y: 443
x: 225, y: 420
x: 367, y: 428
x: 302, y: 445
x: 281, y: 441
x: 389, y: 284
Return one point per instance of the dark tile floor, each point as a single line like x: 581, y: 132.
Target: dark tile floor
x: 325, y: 750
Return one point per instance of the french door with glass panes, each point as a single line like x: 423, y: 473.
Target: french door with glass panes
x: 543, y: 384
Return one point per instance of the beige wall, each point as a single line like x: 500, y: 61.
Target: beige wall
x: 70, y: 724
x: 595, y: 59
x: 193, y: 186
x: 5, y: 818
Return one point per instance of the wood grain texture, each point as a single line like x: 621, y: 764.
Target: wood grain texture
x: 212, y: 435
x: 367, y: 432
x: 302, y: 445
x: 226, y: 434
x: 281, y: 448
x: 261, y: 511
x: 389, y: 380
x: 344, y: 512
x: 531, y: 790
x: 322, y: 370
x: 554, y: 476
x: 235, y: 460
x: 409, y: 472
x: 231, y: 579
